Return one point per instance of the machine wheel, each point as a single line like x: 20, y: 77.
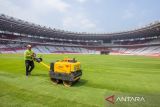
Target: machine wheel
x: 77, y: 79
x: 55, y: 81
x: 67, y: 83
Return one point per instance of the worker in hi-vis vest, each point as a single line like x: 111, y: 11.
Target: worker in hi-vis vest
x: 29, y: 63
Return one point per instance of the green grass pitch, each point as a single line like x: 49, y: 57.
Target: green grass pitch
x: 102, y: 75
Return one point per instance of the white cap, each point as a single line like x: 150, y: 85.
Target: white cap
x: 29, y: 46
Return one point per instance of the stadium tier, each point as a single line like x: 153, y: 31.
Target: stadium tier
x: 15, y: 34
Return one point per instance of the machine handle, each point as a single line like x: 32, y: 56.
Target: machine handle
x: 47, y: 66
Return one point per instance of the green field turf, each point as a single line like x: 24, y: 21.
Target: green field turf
x: 102, y: 76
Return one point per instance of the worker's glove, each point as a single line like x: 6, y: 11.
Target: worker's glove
x: 33, y: 55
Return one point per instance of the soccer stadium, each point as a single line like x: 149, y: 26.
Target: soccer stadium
x: 16, y: 34
x: 119, y: 69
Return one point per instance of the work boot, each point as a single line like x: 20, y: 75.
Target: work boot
x: 26, y: 76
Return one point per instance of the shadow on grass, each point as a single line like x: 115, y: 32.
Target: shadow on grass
x: 81, y: 82
x: 41, y: 75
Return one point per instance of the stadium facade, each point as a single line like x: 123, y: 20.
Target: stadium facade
x: 15, y: 34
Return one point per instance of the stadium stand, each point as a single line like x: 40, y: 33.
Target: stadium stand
x: 15, y: 34
x: 154, y: 51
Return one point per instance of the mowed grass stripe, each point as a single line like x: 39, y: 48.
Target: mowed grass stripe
x: 23, y: 97
x: 45, y: 87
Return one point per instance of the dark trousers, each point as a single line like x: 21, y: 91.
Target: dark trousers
x: 29, y: 66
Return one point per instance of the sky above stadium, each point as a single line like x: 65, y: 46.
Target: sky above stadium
x: 103, y: 16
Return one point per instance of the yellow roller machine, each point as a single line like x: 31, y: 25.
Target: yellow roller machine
x: 67, y: 70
